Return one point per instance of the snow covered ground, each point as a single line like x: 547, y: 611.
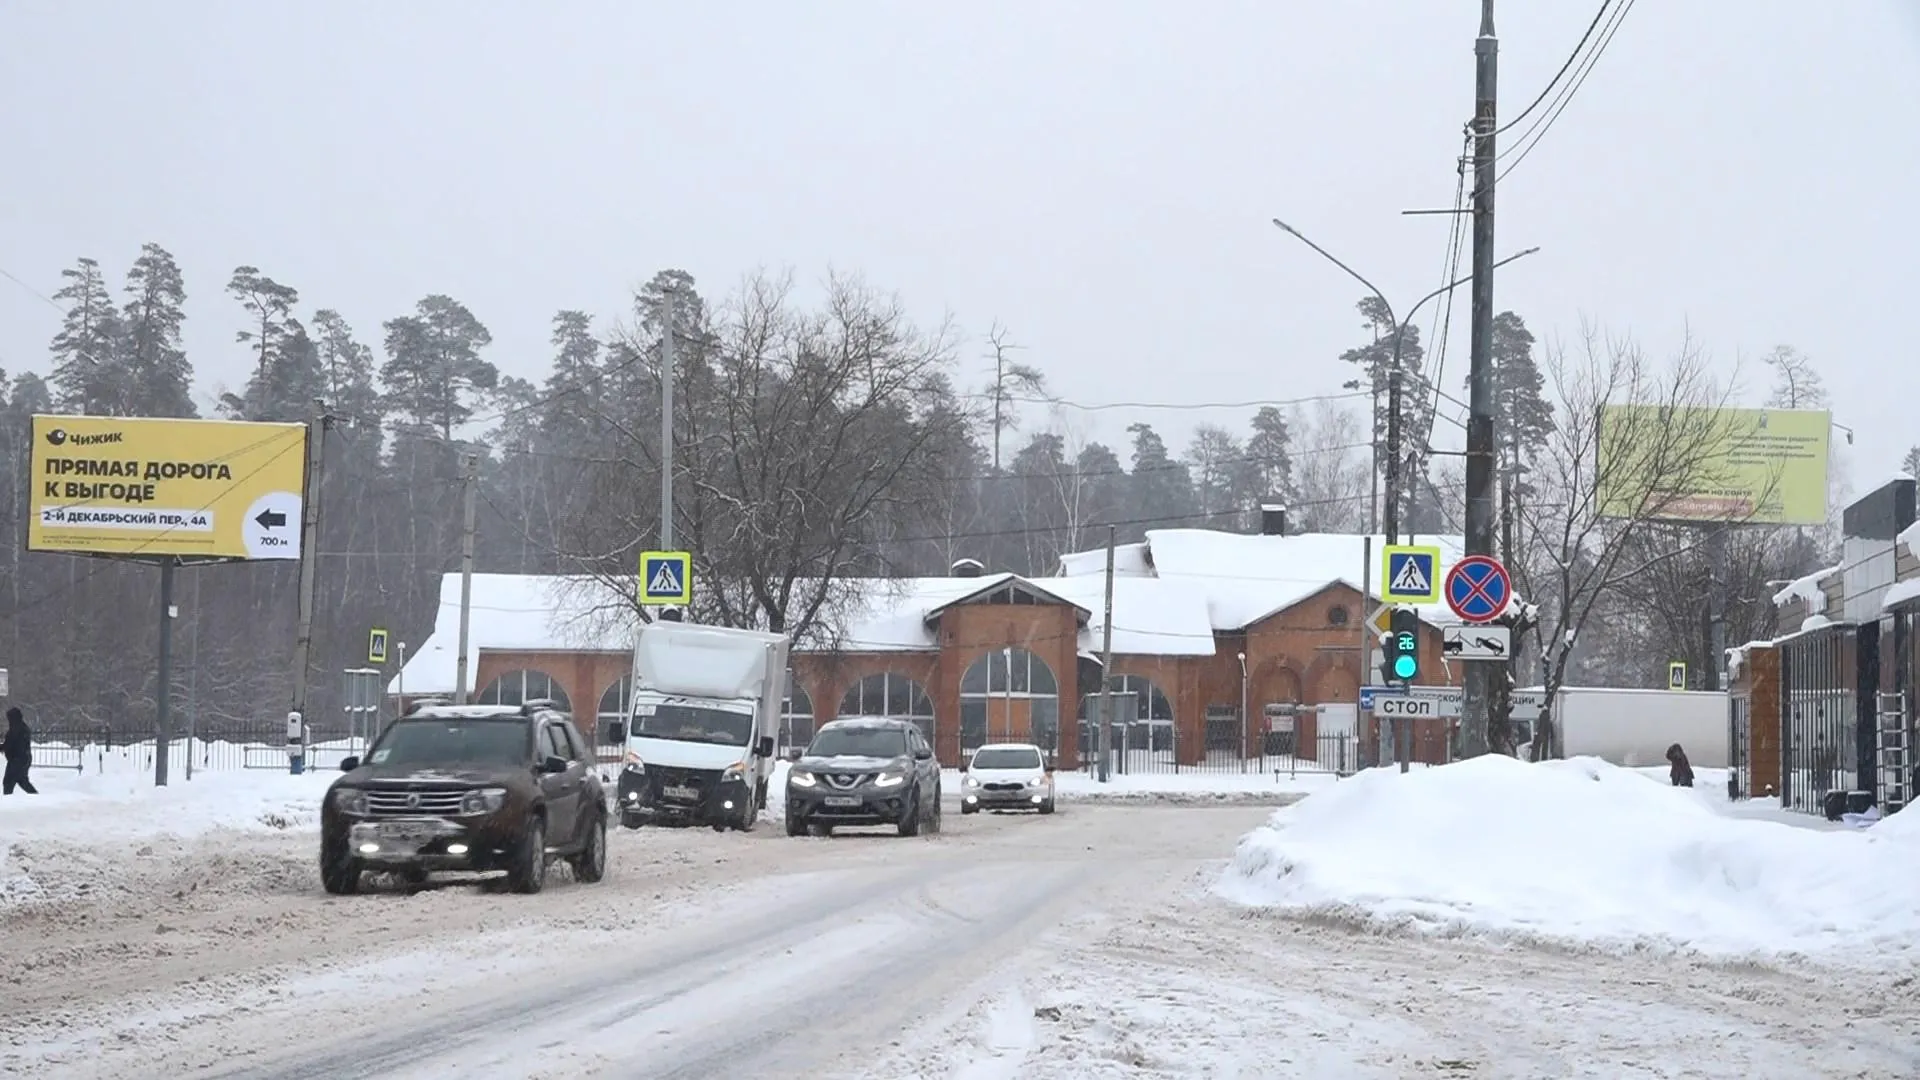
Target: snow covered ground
x: 1582, y: 852
x: 191, y: 937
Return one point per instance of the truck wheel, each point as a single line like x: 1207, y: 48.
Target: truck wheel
x: 591, y: 864
x: 527, y: 866
x: 339, y: 871
x: 910, y: 819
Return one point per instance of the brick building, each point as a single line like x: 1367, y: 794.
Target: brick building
x: 1223, y: 642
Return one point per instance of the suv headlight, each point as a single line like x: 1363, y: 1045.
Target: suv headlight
x: 889, y: 779
x: 350, y: 801
x: 801, y: 778
x: 632, y: 762
x: 483, y: 801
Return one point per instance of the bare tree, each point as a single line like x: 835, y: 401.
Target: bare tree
x: 1009, y: 378
x: 1634, y: 445
x: 1330, y: 477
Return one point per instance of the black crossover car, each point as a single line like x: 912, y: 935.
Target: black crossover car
x: 467, y: 787
x: 864, y: 771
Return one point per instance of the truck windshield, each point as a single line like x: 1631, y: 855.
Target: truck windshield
x: 437, y: 742
x: 692, y: 723
x: 1006, y: 757
x: 858, y: 742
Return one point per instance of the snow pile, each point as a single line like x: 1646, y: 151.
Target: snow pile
x: 1586, y: 852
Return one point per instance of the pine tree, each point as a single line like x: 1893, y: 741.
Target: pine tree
x: 285, y: 363
x: 1161, y: 488
x: 1376, y: 362
x: 1522, y: 415
x: 346, y: 368
x: 89, y: 372
x: 1911, y: 463
x: 1269, y: 456
x: 575, y: 388
x: 1216, y: 460
x: 160, y: 375
x: 434, y: 365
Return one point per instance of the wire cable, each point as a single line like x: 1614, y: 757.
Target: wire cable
x: 1566, y: 95
x: 1558, y: 75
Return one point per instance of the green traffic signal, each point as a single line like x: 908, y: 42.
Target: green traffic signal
x: 1404, y: 645
x: 1405, y: 667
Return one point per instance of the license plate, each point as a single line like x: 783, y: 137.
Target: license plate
x: 681, y: 794
x: 406, y: 832
x: 842, y: 800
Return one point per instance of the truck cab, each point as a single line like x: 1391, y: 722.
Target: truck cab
x: 700, y: 742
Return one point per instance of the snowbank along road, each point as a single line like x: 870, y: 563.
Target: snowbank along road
x: 1082, y: 945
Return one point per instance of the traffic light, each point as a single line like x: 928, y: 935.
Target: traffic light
x: 1403, y: 646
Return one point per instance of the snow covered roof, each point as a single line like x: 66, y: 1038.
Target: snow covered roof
x: 533, y: 613
x: 1910, y: 539
x: 1808, y: 590
x: 1246, y: 578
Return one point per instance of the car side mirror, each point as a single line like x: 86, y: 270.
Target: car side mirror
x: 923, y: 755
x: 554, y: 764
x: 765, y: 747
x: 349, y: 764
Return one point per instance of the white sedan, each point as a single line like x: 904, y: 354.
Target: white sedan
x: 1007, y: 776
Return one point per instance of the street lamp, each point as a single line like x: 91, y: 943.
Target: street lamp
x: 1393, y: 373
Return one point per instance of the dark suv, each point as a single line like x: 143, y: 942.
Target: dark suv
x: 467, y: 787
x: 864, y: 771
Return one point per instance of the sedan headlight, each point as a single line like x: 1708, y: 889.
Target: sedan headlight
x: 350, y: 801
x: 889, y: 779
x: 801, y: 778
x: 973, y: 781
x: 1038, y: 781
x: 483, y: 801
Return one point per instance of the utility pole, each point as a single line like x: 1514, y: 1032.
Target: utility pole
x: 1106, y: 670
x: 666, y: 427
x: 309, y: 556
x: 163, y: 690
x: 470, y: 495
x: 1480, y: 435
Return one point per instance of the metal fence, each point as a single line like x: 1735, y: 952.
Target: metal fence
x: 1739, y: 738
x: 1820, y: 692
x: 99, y: 749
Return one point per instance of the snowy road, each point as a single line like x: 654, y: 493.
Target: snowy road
x: 1082, y: 945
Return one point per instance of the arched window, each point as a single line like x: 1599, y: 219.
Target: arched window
x: 796, y: 715
x: 520, y: 687
x: 1149, y: 727
x: 893, y: 696
x: 615, y: 706
x: 1009, y: 695
x: 1153, y: 704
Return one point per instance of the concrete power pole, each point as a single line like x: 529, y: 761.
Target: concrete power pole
x: 666, y: 428
x: 470, y: 494
x: 1103, y: 737
x: 1480, y: 403
x: 309, y: 556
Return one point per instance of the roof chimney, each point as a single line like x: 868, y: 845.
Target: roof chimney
x: 969, y: 568
x: 1273, y: 518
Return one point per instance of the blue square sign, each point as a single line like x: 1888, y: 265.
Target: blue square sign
x: 1410, y: 575
x: 666, y: 577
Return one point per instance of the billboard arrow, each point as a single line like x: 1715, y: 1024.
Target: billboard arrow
x: 271, y: 519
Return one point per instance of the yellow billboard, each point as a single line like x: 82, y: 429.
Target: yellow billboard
x: 1746, y: 466
x: 142, y: 487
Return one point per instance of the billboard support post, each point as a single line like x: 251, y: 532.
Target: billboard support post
x: 309, y: 538
x: 162, y: 703
x: 1717, y: 598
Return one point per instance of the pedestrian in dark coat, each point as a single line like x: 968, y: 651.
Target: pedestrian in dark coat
x: 1681, y: 772
x: 18, y: 747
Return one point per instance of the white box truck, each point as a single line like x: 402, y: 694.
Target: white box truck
x: 706, y: 709
x: 1633, y: 728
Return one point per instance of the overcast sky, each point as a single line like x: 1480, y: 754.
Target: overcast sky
x: 1096, y: 176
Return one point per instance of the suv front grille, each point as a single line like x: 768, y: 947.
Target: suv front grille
x: 409, y: 803
x: 844, y: 781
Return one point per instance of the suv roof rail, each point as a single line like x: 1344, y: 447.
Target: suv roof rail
x: 541, y: 704
x: 417, y: 704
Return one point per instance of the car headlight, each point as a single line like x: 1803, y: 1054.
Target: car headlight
x: 632, y: 763
x: 973, y: 781
x: 735, y: 771
x: 800, y: 778
x: 1038, y: 781
x: 889, y: 779
x: 350, y: 801
x: 483, y: 801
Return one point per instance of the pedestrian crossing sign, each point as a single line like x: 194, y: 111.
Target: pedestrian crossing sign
x: 1410, y: 575
x: 666, y: 577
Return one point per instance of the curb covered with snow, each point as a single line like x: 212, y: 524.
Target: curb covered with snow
x: 1581, y: 852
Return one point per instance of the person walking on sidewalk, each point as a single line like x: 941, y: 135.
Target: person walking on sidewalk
x: 18, y: 747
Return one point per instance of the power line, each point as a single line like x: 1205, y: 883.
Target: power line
x: 1566, y: 95
x: 1558, y: 75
